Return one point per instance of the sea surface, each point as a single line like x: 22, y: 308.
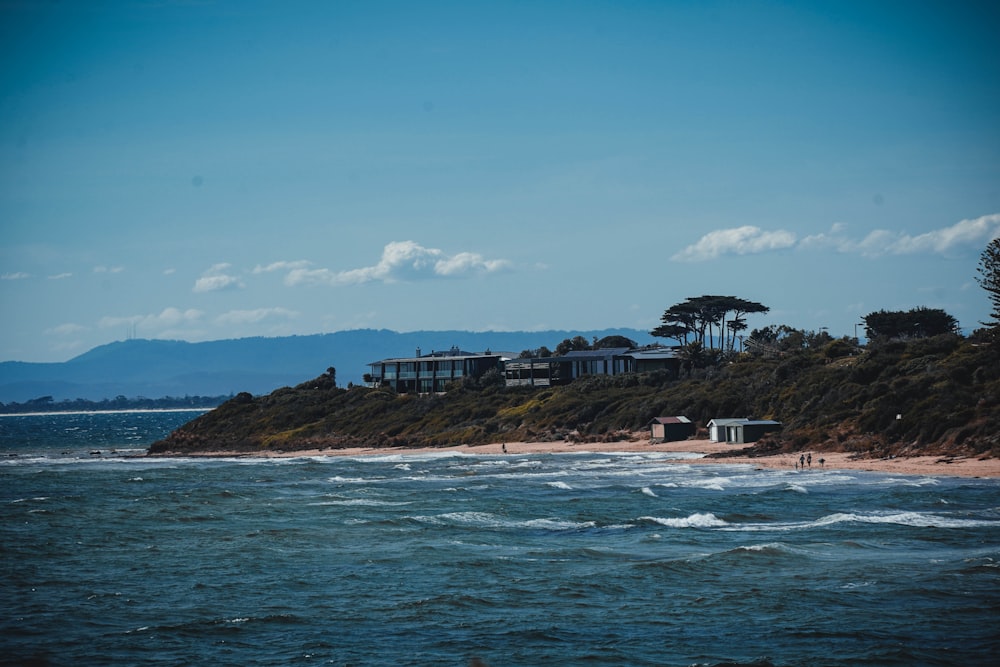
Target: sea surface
x: 108, y: 557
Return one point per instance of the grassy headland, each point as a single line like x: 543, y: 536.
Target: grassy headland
x: 937, y: 396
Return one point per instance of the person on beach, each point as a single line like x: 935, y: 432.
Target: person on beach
x: 809, y: 459
x: 802, y: 460
x: 821, y: 462
x: 504, y: 445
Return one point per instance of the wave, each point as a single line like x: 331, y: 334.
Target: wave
x: 492, y: 521
x: 914, y: 519
x: 696, y: 520
x: 359, y: 502
x: 909, y: 519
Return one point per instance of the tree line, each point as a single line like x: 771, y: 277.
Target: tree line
x: 706, y: 328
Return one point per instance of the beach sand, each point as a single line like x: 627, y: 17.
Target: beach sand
x: 912, y: 465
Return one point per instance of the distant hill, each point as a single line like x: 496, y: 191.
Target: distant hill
x: 157, y: 368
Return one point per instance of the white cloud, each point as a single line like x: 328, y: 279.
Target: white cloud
x: 107, y: 269
x: 745, y: 240
x: 217, y: 278
x: 468, y: 262
x: 235, y: 317
x: 943, y: 241
x: 974, y: 233
x: 60, y: 276
x: 401, y: 260
x: 281, y: 266
x: 19, y: 275
x: 962, y: 235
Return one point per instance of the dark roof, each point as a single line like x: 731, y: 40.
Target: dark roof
x: 657, y: 353
x: 597, y: 354
x: 453, y: 354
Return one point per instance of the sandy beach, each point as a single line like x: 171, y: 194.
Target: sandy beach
x: 914, y: 465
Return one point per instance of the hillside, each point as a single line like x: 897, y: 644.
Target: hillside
x: 156, y: 368
x: 930, y: 396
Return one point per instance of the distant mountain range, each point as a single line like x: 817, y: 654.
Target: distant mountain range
x: 157, y: 368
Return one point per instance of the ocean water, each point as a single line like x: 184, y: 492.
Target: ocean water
x: 108, y: 557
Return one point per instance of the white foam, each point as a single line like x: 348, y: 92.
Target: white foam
x: 360, y: 502
x: 488, y: 520
x: 696, y: 520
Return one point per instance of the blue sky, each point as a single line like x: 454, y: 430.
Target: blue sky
x: 206, y: 169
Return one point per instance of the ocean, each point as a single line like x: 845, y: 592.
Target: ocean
x: 109, y: 557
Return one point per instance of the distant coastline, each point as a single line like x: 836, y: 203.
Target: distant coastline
x: 46, y: 405
x: 103, y: 412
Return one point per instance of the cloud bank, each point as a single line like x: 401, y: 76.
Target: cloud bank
x: 750, y: 240
x: 400, y: 261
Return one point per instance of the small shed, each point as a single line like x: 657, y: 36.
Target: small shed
x: 752, y: 430
x: 718, y: 428
x: 668, y: 429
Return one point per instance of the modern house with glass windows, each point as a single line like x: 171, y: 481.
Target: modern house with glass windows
x: 549, y: 371
x: 430, y: 373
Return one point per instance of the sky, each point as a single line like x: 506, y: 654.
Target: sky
x: 209, y: 169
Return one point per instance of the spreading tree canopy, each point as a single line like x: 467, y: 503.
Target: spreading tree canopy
x: 698, y: 318
x: 916, y: 323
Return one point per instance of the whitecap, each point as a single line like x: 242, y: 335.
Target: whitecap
x: 649, y: 492
x: 559, y: 485
x: 696, y: 520
x: 555, y: 524
x: 358, y: 502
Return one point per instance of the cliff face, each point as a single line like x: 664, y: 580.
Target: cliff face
x: 933, y: 396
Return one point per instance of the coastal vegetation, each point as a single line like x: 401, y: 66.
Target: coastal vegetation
x: 926, y: 395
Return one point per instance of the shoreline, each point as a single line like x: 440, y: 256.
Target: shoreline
x: 910, y: 465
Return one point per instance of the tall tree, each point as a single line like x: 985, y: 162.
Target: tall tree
x: 735, y: 325
x: 697, y: 318
x: 989, y: 280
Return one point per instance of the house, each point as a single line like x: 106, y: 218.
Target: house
x: 428, y: 373
x: 668, y: 429
x: 550, y: 371
x: 740, y: 430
